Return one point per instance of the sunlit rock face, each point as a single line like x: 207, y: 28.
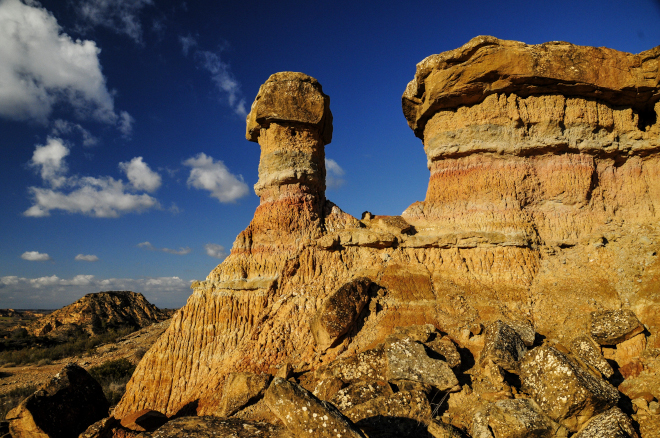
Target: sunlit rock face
x: 545, y: 158
x: 542, y: 206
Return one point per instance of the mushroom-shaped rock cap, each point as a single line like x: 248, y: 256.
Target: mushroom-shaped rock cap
x: 487, y: 65
x: 290, y: 97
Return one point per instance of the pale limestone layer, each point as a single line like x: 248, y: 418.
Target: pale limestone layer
x: 487, y: 65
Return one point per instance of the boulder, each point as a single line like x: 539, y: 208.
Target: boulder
x: 145, y: 420
x: 305, y: 415
x: 442, y: 430
x: 214, y: 427
x: 564, y: 391
x: 611, y: 424
x: 388, y: 224
x: 418, y: 333
x: 490, y: 381
x: 446, y: 349
x: 649, y: 424
x: 240, y: 389
x: 360, y: 392
x: 69, y: 403
x: 611, y: 327
x: 502, y: 346
x: 520, y: 418
x: 630, y: 350
x: 586, y: 349
x: 644, y: 381
x: 285, y: 371
x: 326, y: 388
x: 290, y: 97
x: 366, y: 365
x: 104, y: 428
x: 525, y: 331
x: 340, y: 312
x: 407, y: 360
x: 403, y: 414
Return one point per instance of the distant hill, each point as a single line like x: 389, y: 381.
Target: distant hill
x: 96, y: 313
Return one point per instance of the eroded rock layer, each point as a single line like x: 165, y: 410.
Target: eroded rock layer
x: 542, y: 207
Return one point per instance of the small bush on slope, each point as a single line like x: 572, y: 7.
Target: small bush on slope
x: 113, y: 376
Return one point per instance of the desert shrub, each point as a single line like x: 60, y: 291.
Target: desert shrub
x: 114, y: 392
x: 140, y: 352
x: 113, y: 376
x: 44, y: 361
x: 11, y: 399
x: 19, y: 333
x: 57, y: 348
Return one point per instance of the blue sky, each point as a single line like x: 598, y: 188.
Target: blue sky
x: 122, y: 123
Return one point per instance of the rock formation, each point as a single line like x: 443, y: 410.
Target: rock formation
x: 63, y: 408
x: 98, y: 312
x: 540, y: 220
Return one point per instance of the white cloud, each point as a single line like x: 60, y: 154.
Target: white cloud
x: 98, y: 197
x: 54, y: 292
x: 187, y: 42
x: 150, y: 247
x: 35, y: 256
x: 125, y: 124
x: 49, y: 160
x: 334, y: 173
x: 224, y: 79
x: 41, y: 66
x: 211, y: 175
x: 63, y: 127
x: 121, y: 16
x: 215, y: 250
x: 86, y: 258
x: 140, y: 175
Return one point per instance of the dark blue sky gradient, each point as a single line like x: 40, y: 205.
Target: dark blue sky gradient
x: 362, y: 52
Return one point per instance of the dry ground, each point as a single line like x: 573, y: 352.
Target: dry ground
x: 131, y: 347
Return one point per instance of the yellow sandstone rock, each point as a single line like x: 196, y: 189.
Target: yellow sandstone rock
x: 543, y: 206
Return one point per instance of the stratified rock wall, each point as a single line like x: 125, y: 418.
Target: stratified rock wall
x: 554, y: 148
x: 542, y: 207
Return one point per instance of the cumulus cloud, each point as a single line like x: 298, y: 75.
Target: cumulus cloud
x: 86, y: 258
x: 125, y: 124
x: 120, y: 16
x: 187, y: 42
x: 224, y: 79
x: 42, y: 66
x: 99, y: 197
x: 53, y: 291
x: 211, y: 175
x: 150, y: 247
x: 334, y: 174
x: 140, y: 175
x: 62, y: 127
x: 215, y: 250
x: 35, y: 256
x: 49, y: 161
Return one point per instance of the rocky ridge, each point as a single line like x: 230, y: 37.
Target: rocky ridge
x: 540, y: 218
x: 96, y: 313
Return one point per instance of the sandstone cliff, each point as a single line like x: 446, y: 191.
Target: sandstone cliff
x: 542, y: 207
x: 96, y: 313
